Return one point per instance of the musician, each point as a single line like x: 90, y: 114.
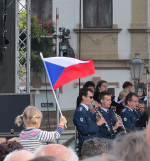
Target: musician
x: 141, y: 106
x: 88, y: 84
x: 122, y: 96
x: 127, y: 86
x: 109, y: 116
x: 128, y: 114
x: 84, y: 120
x: 102, y: 86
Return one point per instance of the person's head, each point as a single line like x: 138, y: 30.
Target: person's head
x: 92, y: 147
x: 122, y: 95
x: 90, y: 85
x: 45, y: 158
x: 132, y: 100
x: 101, y: 86
x: 133, y: 146
x: 127, y: 86
x: 32, y: 117
x: 105, y: 99
x: 7, y: 147
x: 86, y: 96
x: 20, y: 155
x: 57, y: 150
x: 141, y: 105
x: 2, y: 140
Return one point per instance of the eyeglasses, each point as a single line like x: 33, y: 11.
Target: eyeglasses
x: 91, y: 97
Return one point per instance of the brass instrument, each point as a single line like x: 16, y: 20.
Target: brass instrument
x: 124, y: 129
x: 100, y: 115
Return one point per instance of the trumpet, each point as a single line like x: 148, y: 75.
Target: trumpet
x: 124, y: 129
x: 100, y: 115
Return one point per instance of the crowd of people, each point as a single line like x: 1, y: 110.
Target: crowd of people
x: 106, y: 130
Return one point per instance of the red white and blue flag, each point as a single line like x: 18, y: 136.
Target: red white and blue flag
x: 62, y: 70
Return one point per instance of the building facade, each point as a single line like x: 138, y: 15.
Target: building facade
x: 110, y: 33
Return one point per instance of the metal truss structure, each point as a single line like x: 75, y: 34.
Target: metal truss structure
x: 23, y: 46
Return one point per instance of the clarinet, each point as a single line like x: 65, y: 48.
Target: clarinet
x: 124, y: 129
x: 140, y: 111
x: 100, y: 115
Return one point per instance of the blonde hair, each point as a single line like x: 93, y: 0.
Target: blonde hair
x: 123, y: 93
x: 30, y: 115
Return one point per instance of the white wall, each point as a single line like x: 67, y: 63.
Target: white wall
x: 68, y: 98
x: 69, y: 18
x: 122, y: 15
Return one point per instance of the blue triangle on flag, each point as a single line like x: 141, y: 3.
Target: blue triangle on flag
x: 54, y: 71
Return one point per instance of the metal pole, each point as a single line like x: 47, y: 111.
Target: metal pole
x: 79, y: 35
x: 28, y: 43
x: 147, y: 90
x: 16, y: 46
x: 57, y: 54
x: 136, y: 86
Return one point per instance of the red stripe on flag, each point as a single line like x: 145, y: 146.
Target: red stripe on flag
x: 75, y: 72
x: 57, y: 16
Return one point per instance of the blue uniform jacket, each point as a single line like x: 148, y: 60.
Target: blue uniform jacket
x: 129, y: 119
x: 111, y: 121
x: 85, y: 123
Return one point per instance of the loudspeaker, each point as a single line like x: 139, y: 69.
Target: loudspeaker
x: 12, y: 105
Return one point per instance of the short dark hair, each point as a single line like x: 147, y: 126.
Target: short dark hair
x: 9, y: 146
x: 89, y: 83
x: 83, y: 92
x: 92, y: 147
x: 99, y: 84
x: 141, y: 102
x: 129, y: 97
x: 102, y: 95
x: 126, y: 84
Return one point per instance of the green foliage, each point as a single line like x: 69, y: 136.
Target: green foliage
x: 44, y: 45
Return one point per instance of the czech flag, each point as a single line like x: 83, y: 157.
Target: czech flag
x: 62, y: 70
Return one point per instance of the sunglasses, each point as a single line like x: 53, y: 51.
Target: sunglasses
x: 91, y: 97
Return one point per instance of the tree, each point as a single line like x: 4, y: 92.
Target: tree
x: 44, y: 45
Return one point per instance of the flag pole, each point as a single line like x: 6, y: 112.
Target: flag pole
x: 57, y: 54
x: 52, y: 88
x: 147, y: 72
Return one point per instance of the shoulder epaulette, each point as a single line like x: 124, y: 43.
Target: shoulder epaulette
x: 124, y: 110
x: 80, y: 108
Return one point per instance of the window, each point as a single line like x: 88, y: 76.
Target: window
x: 97, y: 13
x: 42, y: 9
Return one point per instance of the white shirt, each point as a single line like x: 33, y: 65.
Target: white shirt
x: 86, y: 107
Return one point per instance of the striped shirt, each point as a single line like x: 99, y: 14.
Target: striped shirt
x: 32, y: 138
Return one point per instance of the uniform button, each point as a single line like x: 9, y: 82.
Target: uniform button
x: 88, y: 134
